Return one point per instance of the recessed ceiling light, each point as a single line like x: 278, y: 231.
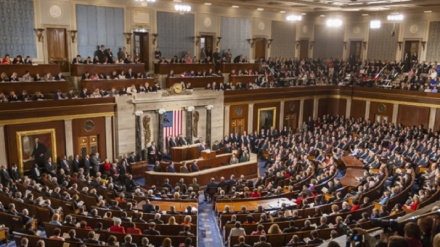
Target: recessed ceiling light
x: 364, y: 14
x: 208, y: 4
x: 303, y: 13
x: 427, y: 11
x: 235, y: 6
x: 260, y: 9
x: 322, y: 15
x: 282, y: 12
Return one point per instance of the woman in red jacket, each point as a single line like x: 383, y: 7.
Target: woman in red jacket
x: 116, y: 227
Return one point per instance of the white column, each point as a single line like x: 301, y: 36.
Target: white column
x: 367, y: 110
x: 69, y: 138
x: 250, y: 121
x: 432, y: 115
x: 301, y: 113
x: 109, y: 138
x: 226, y: 126
x: 348, y: 108
x: 280, y: 126
x: 315, y: 107
x: 2, y: 146
x: 395, y: 111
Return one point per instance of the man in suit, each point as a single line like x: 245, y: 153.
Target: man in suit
x: 202, y: 147
x: 241, y: 242
x: 263, y: 242
x: 171, y: 168
x: 95, y: 162
x: 15, y: 175
x: 91, y: 238
x: 182, y: 141
x: 86, y: 164
x: 228, y: 56
x: 130, y: 74
x: 186, y: 231
x: 194, y: 166
x: 151, y: 230
x: 323, y: 221
x: 315, y: 238
x: 39, y: 152
x: 75, y: 164
x: 184, y: 168
x: 4, y: 175
x: 128, y: 241
x: 291, y: 227
x: 36, y: 173
x: 101, y: 53
x: 64, y: 164
x: 148, y: 207
x: 153, y: 153
x: 49, y: 167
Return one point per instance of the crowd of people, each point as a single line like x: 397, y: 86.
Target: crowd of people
x: 105, y: 55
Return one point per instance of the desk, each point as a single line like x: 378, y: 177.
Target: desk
x: 252, y: 204
x: 118, y: 84
x: 179, y: 68
x: 202, y: 163
x: 189, y: 152
x: 208, y: 156
x: 165, y: 205
x: 354, y: 168
x: 106, y: 69
x: 228, y: 67
x: 32, y: 87
x: 138, y: 168
x: 21, y: 69
x: 248, y: 169
x: 195, y: 81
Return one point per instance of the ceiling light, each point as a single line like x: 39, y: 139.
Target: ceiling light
x: 293, y: 17
x: 150, y: 1
x: 303, y: 14
x: 427, y: 11
x: 395, y: 17
x: 282, y: 12
x: 333, y: 22
x: 260, y: 9
x: 375, y: 24
x: 322, y: 15
x: 209, y: 4
x: 364, y: 14
x: 182, y: 7
x: 235, y: 6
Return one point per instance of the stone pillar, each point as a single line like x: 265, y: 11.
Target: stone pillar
x: 69, y: 139
x: 315, y: 107
x: 432, y: 116
x: 160, y: 139
x: 367, y: 110
x: 301, y: 113
x: 226, y: 126
x: 280, y: 126
x: 2, y: 146
x: 189, y: 123
x: 395, y: 112
x: 138, y: 133
x: 208, y: 124
x: 250, y: 119
x: 109, y: 137
x: 348, y: 108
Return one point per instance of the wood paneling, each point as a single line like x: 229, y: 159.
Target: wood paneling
x: 32, y: 87
x: 57, y: 47
x: 383, y: 109
x: 21, y: 69
x: 357, y: 109
x: 196, y: 82
x: 118, y: 84
x: 11, y: 138
x: 308, y: 109
x: 260, y: 48
x: 291, y: 111
x: 99, y: 130
x: 236, y: 113
x: 332, y: 106
x: 181, y: 67
x: 266, y: 105
x: 304, y: 49
x: 437, y: 120
x: 228, y: 67
x: 106, y: 69
x: 413, y: 115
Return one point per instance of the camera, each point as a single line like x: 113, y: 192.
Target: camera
x: 385, y: 224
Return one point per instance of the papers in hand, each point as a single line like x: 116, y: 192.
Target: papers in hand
x: 324, y: 190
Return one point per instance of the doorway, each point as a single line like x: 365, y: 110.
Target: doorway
x: 238, y: 125
x: 141, y: 48
x: 303, y: 49
x: 57, y: 52
x: 291, y: 121
x: 355, y: 52
x: 411, y: 53
x: 87, y: 145
x: 260, y: 48
x: 207, y: 42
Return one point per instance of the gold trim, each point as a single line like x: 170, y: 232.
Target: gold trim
x: 55, y: 118
x: 398, y: 102
x: 268, y: 101
x: 274, y: 116
x: 57, y: 107
x: 20, y: 134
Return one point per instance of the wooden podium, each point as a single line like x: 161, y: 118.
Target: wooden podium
x: 208, y: 155
x: 354, y: 168
x: 189, y: 152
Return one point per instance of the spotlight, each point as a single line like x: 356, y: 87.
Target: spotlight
x: 333, y: 22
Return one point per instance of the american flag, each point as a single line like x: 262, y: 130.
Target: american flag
x: 172, y: 124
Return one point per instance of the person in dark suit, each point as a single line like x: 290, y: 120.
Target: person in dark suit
x: 153, y: 153
x: 148, y: 207
x: 36, y: 173
x: 151, y: 230
x: 291, y: 227
x: 128, y: 239
x: 182, y: 141
x: 84, y: 94
x: 86, y: 164
x: 60, y: 77
x: 123, y: 171
x: 315, y: 238
x: 171, y: 168
x: 58, y: 95
x: 194, y: 166
x: 64, y: 164
x: 72, y: 237
x: 4, y: 175
x: 75, y: 164
x: 263, y: 242
x: 15, y: 175
x: 172, y: 142
x: 91, y: 238
x: 39, y: 152
x: 241, y: 242
x: 186, y: 231
x: 49, y: 167
x: 100, y: 53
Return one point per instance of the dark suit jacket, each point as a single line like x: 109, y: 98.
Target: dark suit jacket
x: 241, y: 245
x: 151, y: 232
x: 4, y: 175
x: 129, y: 245
x: 50, y: 167
x: 148, y: 208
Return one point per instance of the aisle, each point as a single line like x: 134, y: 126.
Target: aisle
x: 208, y: 232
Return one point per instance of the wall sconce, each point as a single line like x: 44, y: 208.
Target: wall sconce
x: 269, y: 42
x: 297, y: 44
x: 400, y: 45
x: 73, y: 35
x: 251, y: 42
x: 155, y: 38
x: 218, y: 40
x: 197, y: 39
x: 312, y: 43
x: 345, y: 45
x: 39, y: 33
x: 423, y: 44
x: 364, y: 43
x: 127, y: 37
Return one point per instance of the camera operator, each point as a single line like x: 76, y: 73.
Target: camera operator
x: 371, y: 241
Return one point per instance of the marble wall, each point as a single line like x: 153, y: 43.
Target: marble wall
x: 149, y: 104
x: 284, y: 39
